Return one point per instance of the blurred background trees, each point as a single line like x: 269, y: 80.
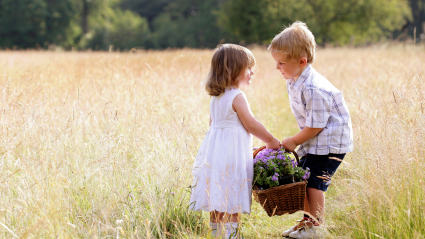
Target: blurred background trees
x: 159, y: 24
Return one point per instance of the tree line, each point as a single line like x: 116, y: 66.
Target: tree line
x: 159, y: 24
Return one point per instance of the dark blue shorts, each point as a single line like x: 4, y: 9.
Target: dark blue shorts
x: 322, y: 168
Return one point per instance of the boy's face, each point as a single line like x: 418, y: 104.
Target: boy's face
x: 289, y: 68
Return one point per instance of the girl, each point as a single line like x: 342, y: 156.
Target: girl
x: 223, y: 168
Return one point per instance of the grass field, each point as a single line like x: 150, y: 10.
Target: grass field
x: 101, y: 145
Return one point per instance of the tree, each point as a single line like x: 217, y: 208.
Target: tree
x: 35, y: 23
x: 345, y: 21
x: 187, y: 23
x: 109, y: 25
x: 146, y: 8
x: 418, y: 14
x: 331, y: 21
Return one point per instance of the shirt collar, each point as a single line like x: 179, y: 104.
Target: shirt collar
x: 303, y: 76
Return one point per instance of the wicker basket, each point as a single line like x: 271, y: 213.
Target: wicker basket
x: 283, y: 199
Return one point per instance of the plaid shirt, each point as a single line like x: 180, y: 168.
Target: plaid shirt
x: 316, y: 103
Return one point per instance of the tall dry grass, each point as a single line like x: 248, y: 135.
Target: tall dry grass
x: 102, y: 144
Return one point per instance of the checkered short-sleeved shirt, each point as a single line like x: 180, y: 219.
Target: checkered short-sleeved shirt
x: 316, y: 103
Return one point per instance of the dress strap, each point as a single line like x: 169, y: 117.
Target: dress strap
x: 235, y: 92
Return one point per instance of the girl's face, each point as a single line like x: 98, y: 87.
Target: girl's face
x: 246, y: 77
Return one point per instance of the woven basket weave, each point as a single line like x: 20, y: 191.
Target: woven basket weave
x: 280, y: 200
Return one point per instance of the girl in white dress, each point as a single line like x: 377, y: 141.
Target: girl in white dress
x: 223, y: 168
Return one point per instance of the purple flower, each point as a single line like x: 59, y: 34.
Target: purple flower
x: 268, y: 151
x: 274, y: 178
x: 306, y: 175
x: 255, y: 161
x: 276, y: 174
x: 259, y: 156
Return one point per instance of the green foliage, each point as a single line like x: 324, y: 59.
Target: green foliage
x: 35, y: 23
x: 331, y: 21
x: 160, y: 24
x: 244, y: 19
x: 177, y: 218
x: 146, y: 8
x: 342, y: 22
x: 123, y: 30
x: 128, y: 30
x: 187, y: 24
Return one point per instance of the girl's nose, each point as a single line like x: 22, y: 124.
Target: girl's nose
x: 277, y: 66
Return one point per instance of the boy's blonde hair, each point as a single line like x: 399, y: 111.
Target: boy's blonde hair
x: 227, y: 65
x: 295, y: 41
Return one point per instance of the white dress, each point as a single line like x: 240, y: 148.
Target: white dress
x: 223, y: 168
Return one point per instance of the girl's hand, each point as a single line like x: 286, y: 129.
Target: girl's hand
x: 274, y: 144
x: 289, y: 144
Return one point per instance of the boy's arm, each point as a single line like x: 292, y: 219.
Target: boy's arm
x: 251, y: 124
x: 318, y: 105
x: 307, y: 133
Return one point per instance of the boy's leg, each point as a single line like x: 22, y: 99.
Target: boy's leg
x: 322, y: 168
x: 306, y: 204
x: 316, y: 203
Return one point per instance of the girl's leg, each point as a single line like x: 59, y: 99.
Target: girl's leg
x: 222, y: 217
x: 222, y: 220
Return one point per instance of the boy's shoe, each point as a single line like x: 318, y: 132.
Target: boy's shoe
x: 306, y: 232
x: 294, y: 228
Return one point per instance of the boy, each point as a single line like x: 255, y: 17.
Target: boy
x: 326, y: 133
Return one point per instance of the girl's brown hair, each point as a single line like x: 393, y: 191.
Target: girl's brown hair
x: 228, y: 63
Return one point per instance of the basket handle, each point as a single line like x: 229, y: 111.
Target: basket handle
x: 263, y: 147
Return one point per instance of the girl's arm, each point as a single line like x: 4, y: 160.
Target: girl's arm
x: 240, y: 104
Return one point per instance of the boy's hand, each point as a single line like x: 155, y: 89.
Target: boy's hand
x: 274, y: 144
x: 289, y: 144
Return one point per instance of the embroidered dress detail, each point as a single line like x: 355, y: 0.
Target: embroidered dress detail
x: 223, y: 168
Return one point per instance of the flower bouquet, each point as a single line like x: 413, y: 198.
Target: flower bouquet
x: 279, y: 184
x: 277, y: 167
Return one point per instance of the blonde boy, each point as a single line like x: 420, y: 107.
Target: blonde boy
x: 320, y: 110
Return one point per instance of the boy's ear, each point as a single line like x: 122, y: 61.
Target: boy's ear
x: 303, y: 61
